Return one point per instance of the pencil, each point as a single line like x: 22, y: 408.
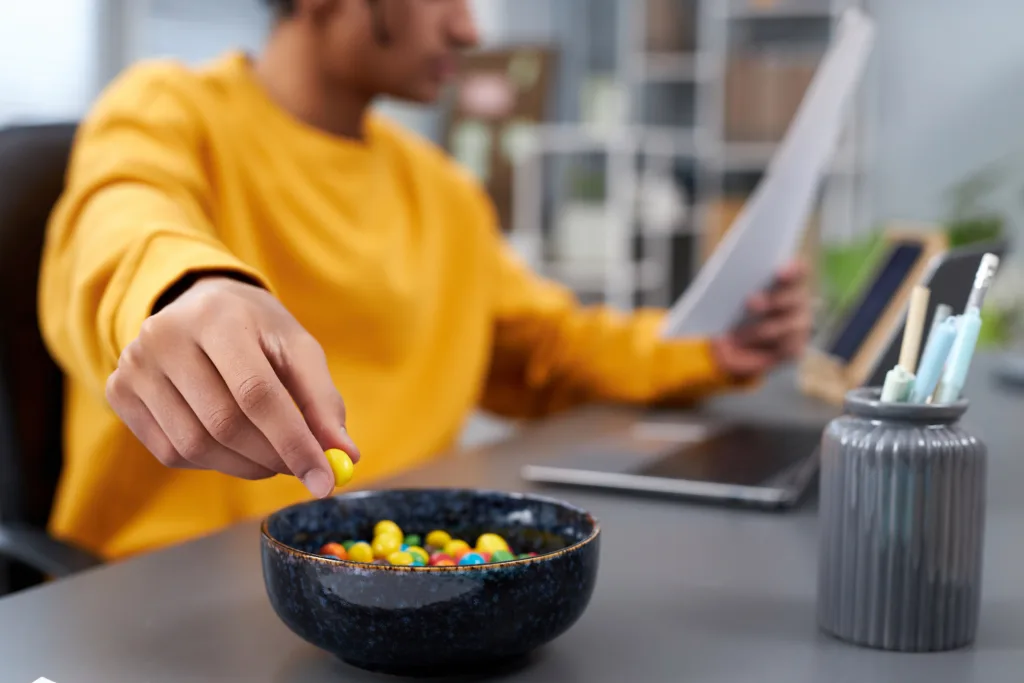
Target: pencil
x: 914, y: 328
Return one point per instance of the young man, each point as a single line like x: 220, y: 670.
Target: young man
x: 236, y: 245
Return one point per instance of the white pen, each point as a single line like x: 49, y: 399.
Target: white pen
x: 982, y: 281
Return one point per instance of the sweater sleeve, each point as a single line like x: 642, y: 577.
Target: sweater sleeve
x: 551, y: 353
x: 133, y: 220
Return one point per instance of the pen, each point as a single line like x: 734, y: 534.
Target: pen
x: 955, y: 374
x: 933, y: 359
x: 982, y: 281
x: 942, y: 311
x: 899, y: 381
x: 898, y: 385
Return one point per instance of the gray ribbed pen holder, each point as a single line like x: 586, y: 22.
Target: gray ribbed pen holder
x: 902, y: 514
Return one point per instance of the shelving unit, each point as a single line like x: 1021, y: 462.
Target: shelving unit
x: 731, y: 36
x: 677, y: 122
x: 619, y: 146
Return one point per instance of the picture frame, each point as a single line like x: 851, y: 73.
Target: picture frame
x: 500, y: 95
x: 826, y: 374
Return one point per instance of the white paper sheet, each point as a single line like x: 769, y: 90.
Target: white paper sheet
x: 767, y: 232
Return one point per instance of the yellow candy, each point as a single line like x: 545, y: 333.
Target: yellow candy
x: 456, y: 548
x: 419, y: 552
x: 438, y: 539
x: 387, y: 527
x: 341, y: 465
x: 385, y: 544
x: 361, y: 552
x: 400, y: 558
x: 488, y: 543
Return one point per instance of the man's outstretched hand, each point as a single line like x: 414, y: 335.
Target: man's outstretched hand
x: 224, y: 378
x: 778, y: 327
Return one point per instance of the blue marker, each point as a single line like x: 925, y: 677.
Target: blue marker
x: 934, y: 358
x: 955, y: 375
x: 942, y: 311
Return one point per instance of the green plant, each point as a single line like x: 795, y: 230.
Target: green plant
x: 845, y: 269
x: 997, y: 326
x: 971, y: 220
x: 974, y: 230
x: 968, y: 197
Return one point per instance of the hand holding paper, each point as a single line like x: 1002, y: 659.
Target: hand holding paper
x: 776, y: 331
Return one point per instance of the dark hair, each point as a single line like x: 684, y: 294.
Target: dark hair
x: 286, y: 8
x: 283, y: 8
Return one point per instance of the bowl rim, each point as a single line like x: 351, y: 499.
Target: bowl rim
x: 281, y: 545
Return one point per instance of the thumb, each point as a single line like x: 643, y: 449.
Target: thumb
x: 324, y: 410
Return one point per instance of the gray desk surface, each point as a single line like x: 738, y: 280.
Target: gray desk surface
x: 686, y: 593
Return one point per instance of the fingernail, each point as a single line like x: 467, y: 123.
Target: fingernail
x: 319, y: 482
x: 349, y: 446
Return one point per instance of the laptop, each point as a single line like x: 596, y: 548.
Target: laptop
x: 763, y: 465
x: 745, y: 463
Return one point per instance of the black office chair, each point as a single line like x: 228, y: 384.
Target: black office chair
x: 33, y: 160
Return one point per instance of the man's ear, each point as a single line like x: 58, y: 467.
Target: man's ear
x: 380, y: 27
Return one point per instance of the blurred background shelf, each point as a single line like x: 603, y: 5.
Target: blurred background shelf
x: 702, y: 92
x: 681, y: 67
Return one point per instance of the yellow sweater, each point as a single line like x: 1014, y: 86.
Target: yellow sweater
x: 383, y: 249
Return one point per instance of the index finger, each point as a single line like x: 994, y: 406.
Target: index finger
x: 792, y: 273
x: 264, y: 399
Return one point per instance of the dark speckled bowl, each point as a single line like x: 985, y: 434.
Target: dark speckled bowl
x: 431, y: 620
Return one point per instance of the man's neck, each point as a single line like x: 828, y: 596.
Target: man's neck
x: 288, y: 71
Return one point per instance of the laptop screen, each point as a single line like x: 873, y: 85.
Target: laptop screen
x: 744, y: 455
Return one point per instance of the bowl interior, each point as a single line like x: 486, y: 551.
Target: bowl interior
x: 529, y: 523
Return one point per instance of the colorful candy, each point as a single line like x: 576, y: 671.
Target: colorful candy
x: 437, y: 559
x: 361, y: 552
x: 488, y: 543
x: 471, y: 559
x: 502, y: 556
x: 388, y: 527
x: 456, y: 549
x: 438, y: 539
x: 418, y: 553
x: 334, y: 550
x: 400, y: 559
x: 390, y: 546
x: 385, y: 544
x: 341, y: 465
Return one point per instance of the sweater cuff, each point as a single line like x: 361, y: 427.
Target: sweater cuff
x: 687, y: 371
x: 168, y: 258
